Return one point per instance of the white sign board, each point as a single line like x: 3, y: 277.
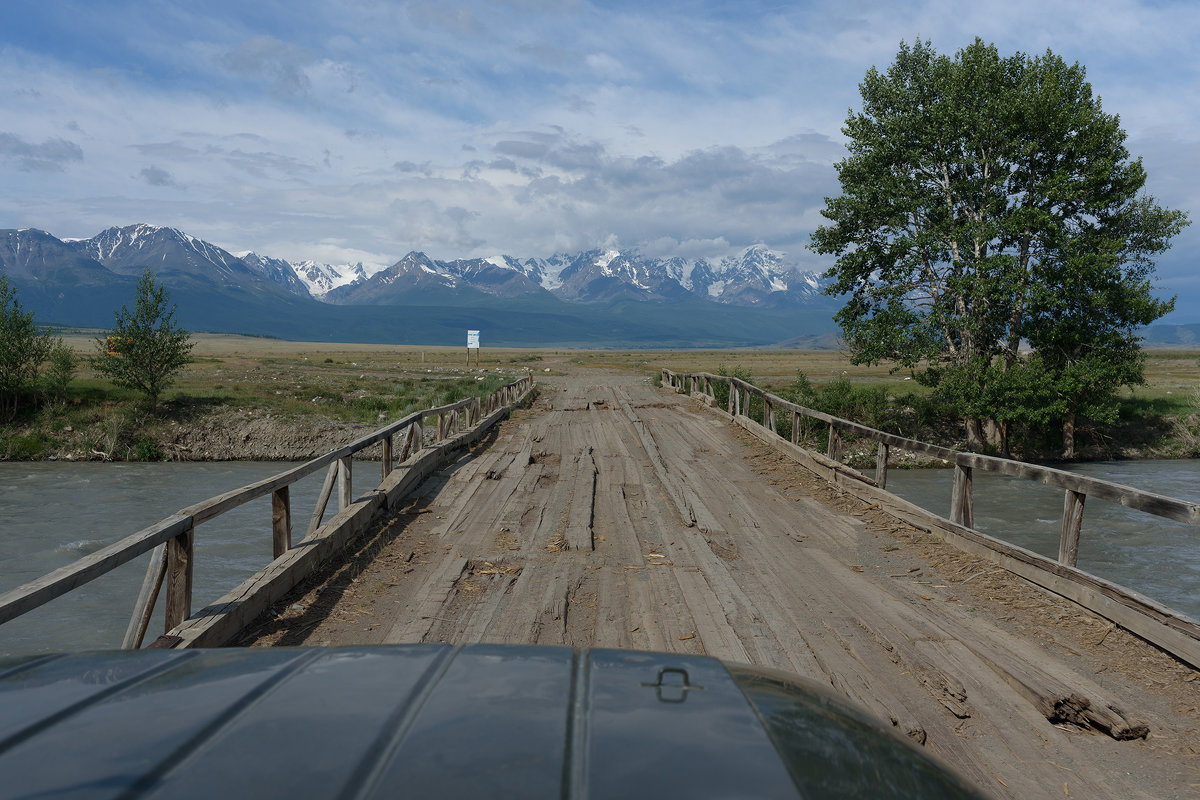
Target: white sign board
x: 472, y: 340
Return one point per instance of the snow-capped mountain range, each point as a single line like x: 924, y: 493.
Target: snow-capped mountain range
x: 756, y: 276
x: 752, y: 298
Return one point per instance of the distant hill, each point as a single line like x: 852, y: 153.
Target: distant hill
x: 1183, y: 336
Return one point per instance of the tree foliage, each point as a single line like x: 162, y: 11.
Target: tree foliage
x: 989, y: 204
x: 145, y: 348
x: 60, y: 369
x: 22, y: 350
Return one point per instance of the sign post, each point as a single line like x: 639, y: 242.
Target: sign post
x: 472, y: 344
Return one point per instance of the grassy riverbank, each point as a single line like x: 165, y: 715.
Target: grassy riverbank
x: 253, y: 398
x: 250, y: 398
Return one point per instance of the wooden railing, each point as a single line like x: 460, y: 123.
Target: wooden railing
x: 173, y: 538
x: 1077, y: 488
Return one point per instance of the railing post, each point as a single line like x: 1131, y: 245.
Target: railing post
x: 834, y: 450
x: 387, y: 458
x: 881, y: 464
x: 281, y: 520
x: 962, y: 503
x: 414, y: 440
x: 180, y: 564
x: 1068, y: 545
x: 345, y: 490
x: 731, y: 401
x: 795, y: 427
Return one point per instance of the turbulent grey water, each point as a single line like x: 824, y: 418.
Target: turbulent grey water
x: 52, y: 514
x: 1149, y: 554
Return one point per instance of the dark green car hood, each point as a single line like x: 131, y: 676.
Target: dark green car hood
x: 438, y: 721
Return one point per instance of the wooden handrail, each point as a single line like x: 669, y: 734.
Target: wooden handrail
x: 177, y: 532
x: 1077, y: 487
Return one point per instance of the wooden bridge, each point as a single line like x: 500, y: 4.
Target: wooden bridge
x: 618, y: 514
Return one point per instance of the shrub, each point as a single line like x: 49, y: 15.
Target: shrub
x: 146, y: 449
x: 145, y: 349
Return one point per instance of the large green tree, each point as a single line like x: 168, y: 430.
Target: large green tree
x: 989, y: 205
x: 146, y: 348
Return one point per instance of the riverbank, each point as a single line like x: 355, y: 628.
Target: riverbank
x: 212, y: 434
x: 257, y: 400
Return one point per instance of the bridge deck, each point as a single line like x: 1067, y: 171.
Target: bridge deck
x: 617, y: 515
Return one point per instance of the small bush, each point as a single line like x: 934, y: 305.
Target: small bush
x: 146, y: 449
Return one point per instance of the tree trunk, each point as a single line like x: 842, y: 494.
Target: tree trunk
x: 1068, y: 450
x: 996, y: 434
x: 974, y: 435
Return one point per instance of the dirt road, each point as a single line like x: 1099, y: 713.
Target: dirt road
x: 615, y: 514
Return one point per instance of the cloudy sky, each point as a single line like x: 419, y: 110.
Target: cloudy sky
x: 362, y: 129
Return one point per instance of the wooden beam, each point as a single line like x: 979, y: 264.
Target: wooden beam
x: 323, y: 498
x: 1068, y: 544
x: 143, y: 608
x: 345, y: 484
x: 962, y: 500
x: 181, y: 564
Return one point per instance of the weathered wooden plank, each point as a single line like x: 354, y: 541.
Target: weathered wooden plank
x: 181, y: 563
x: 578, y: 535
x: 962, y: 497
x: 323, y: 498
x: 881, y: 464
x: 281, y: 520
x: 345, y: 482
x: 1068, y: 545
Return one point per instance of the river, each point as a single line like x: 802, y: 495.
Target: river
x: 1149, y: 554
x: 51, y: 514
